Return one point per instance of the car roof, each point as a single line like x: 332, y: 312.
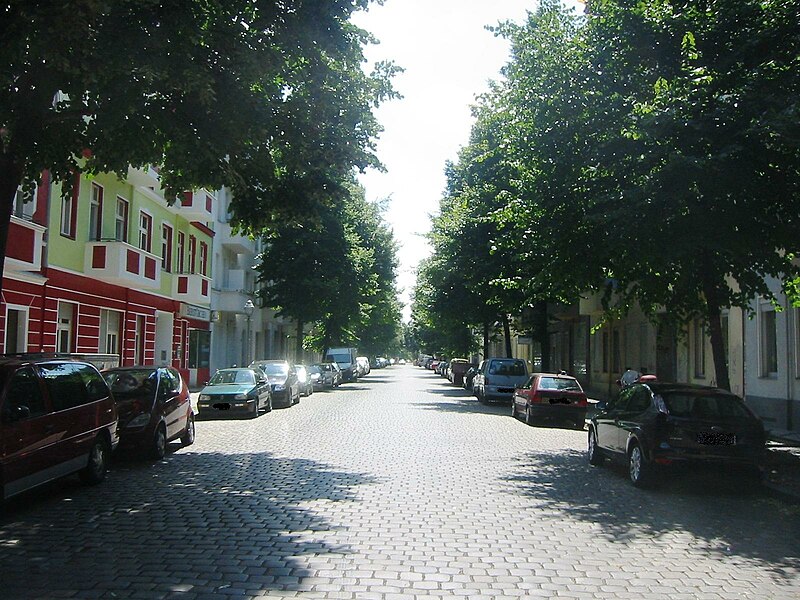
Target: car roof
x: 662, y: 387
x: 556, y: 375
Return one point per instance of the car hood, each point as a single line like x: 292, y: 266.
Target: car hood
x: 277, y: 379
x: 226, y: 389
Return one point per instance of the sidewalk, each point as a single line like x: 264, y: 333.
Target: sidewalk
x: 782, y: 464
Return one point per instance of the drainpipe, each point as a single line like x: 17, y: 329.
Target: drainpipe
x: 790, y: 358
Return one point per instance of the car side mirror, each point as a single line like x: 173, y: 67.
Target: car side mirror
x: 16, y: 413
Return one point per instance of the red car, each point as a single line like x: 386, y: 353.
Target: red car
x: 555, y: 396
x: 57, y: 417
x: 154, y: 408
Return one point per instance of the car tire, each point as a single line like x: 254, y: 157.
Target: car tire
x: 528, y: 415
x: 593, y: 451
x: 639, y: 470
x: 187, y: 439
x: 97, y: 465
x: 513, y: 409
x: 158, y: 445
x: 256, y: 410
x: 269, y: 403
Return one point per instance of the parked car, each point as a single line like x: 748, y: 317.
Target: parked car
x: 331, y: 374
x: 304, y: 379
x: 57, y: 417
x: 458, y: 366
x: 363, y: 365
x: 154, y: 408
x: 496, y: 379
x: 235, y: 392
x: 550, y: 396
x: 653, y: 425
x: 283, y: 379
x: 315, y: 377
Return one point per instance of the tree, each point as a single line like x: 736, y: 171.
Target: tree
x: 266, y: 97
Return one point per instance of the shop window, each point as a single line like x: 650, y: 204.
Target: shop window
x: 199, y: 348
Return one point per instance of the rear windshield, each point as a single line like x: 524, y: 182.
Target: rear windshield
x: 559, y: 383
x: 225, y: 377
x: 704, y: 406
x: 507, y: 367
x: 139, y: 382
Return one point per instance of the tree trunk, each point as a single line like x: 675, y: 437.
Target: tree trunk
x: 10, y: 179
x: 714, y: 318
x: 507, y: 335
x: 485, y: 340
x: 298, y: 353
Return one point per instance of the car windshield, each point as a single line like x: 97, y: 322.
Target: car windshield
x: 704, y: 406
x: 314, y: 370
x: 275, y: 368
x: 131, y: 382
x: 559, y: 383
x: 507, y: 367
x: 339, y: 358
x: 228, y: 376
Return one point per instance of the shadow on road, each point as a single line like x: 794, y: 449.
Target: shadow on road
x: 206, y: 523
x: 730, y: 516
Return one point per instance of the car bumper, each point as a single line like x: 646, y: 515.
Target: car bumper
x: 281, y: 398
x: 221, y: 409
x: 559, y: 411
x: 735, y: 457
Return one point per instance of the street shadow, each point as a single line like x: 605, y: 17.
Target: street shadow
x: 731, y: 516
x: 464, y: 404
x: 209, y: 523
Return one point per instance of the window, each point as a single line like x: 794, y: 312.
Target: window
x: 109, y: 331
x: 145, y: 231
x: 203, y: 258
x: 192, y: 250
x: 24, y: 391
x: 96, y: 213
x: 72, y: 384
x: 604, y: 351
x: 138, y: 340
x: 16, y: 330
x: 25, y: 203
x: 199, y: 348
x: 166, y: 248
x: 67, y: 215
x: 66, y: 316
x: 121, y: 220
x: 616, y: 352
x: 768, y: 339
x: 181, y: 250
x: 699, y: 348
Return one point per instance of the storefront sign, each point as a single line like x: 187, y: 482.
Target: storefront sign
x: 195, y: 312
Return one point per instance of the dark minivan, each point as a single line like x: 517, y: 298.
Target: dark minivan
x: 57, y: 417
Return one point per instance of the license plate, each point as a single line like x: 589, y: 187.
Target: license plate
x: 222, y: 406
x: 713, y: 438
x: 560, y: 401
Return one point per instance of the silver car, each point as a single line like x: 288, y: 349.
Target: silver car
x: 497, y: 378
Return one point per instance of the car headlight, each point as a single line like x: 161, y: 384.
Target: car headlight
x: 204, y: 397
x: 139, y: 420
x: 241, y: 397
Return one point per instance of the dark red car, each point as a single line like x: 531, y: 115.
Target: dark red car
x: 154, y: 408
x: 553, y: 396
x: 57, y: 417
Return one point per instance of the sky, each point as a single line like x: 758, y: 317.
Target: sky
x: 449, y: 58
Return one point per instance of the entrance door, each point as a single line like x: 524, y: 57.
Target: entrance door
x: 16, y: 330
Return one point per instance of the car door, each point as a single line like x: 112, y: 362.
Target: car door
x: 477, y: 382
x: 607, y: 421
x: 522, y: 394
x: 29, y: 435
x: 262, y: 388
x: 172, y: 403
x: 629, y: 417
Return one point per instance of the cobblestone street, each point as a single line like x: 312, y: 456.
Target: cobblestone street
x: 399, y: 486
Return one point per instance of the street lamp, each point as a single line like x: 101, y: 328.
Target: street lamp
x: 249, y: 307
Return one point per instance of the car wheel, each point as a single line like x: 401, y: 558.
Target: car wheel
x: 593, y: 451
x: 269, y: 403
x: 513, y: 409
x: 187, y: 439
x: 528, y: 415
x: 158, y: 447
x: 639, y: 470
x: 97, y: 466
x: 256, y: 410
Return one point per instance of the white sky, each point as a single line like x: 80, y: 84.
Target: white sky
x: 448, y: 58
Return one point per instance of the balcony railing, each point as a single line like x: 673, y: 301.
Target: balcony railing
x: 196, y: 206
x: 192, y: 288
x: 25, y: 243
x: 122, y: 264
x: 241, y: 244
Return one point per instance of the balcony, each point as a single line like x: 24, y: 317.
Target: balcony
x: 196, y: 206
x: 122, y: 264
x: 241, y: 244
x: 147, y: 177
x: 192, y: 288
x: 24, y: 248
x: 235, y: 291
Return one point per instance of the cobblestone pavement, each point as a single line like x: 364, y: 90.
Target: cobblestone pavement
x: 400, y: 486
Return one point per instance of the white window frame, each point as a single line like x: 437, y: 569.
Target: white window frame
x: 67, y: 208
x: 24, y: 210
x: 121, y: 220
x: 167, y: 240
x: 145, y: 231
x: 110, y: 322
x: 22, y: 328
